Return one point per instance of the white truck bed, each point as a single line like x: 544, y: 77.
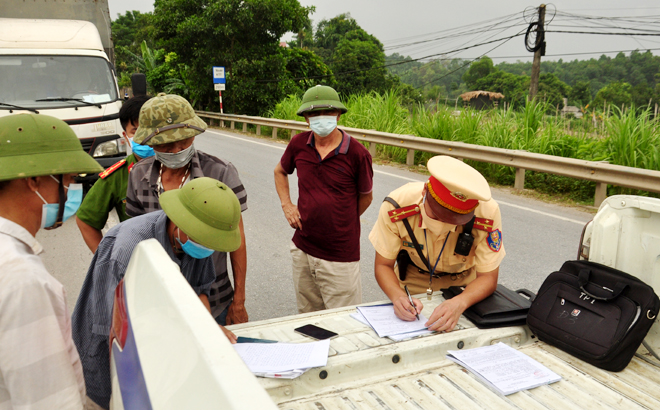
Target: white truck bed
x: 362, y: 373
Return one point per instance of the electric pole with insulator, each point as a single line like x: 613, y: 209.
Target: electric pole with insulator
x: 538, y: 48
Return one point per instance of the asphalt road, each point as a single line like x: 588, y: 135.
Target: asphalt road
x: 538, y: 237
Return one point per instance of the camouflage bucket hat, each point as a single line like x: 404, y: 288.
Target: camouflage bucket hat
x: 167, y: 118
x: 319, y: 98
x: 207, y: 211
x: 33, y: 145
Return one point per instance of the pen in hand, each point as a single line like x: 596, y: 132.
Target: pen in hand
x: 411, y: 301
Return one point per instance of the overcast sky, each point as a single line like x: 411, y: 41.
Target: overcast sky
x: 398, y: 23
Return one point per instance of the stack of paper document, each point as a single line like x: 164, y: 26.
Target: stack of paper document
x: 503, y: 368
x: 385, y: 323
x: 283, y: 360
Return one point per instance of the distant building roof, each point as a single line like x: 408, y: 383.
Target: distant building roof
x: 475, y: 94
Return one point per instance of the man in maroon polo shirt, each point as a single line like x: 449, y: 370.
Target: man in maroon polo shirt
x: 335, y: 181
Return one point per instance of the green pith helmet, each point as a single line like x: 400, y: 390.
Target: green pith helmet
x: 33, y: 145
x: 207, y: 211
x: 319, y: 98
x: 167, y: 118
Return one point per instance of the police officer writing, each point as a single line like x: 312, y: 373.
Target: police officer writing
x: 453, y: 237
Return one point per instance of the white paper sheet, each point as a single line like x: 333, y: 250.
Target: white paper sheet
x: 503, y: 368
x: 383, y: 320
x: 283, y: 357
x: 405, y: 336
x: 398, y: 337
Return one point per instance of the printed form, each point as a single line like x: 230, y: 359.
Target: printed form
x: 503, y: 368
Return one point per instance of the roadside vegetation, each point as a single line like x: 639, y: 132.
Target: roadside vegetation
x: 628, y: 137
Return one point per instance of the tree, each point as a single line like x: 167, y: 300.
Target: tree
x: 241, y: 35
x: 617, y: 93
x: 552, y: 90
x: 129, y: 31
x: 478, y: 69
x: 305, y: 69
x: 359, y: 67
x: 355, y: 57
x: 514, y: 87
x: 330, y: 32
x: 642, y: 95
x: 580, y: 94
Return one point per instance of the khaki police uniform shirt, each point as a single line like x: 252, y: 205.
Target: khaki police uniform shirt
x: 487, y: 252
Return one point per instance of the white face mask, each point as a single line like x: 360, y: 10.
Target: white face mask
x: 176, y: 160
x: 323, y: 125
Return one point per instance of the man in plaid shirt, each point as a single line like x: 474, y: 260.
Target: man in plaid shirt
x: 169, y: 124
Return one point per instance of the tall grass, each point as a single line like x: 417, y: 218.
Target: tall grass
x: 631, y: 137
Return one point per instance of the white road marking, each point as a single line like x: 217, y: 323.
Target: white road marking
x: 524, y: 208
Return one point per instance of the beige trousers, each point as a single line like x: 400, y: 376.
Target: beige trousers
x: 322, y: 284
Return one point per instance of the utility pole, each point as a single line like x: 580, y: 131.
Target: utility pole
x: 538, y: 52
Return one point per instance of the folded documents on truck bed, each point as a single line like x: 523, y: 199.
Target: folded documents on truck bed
x: 385, y: 323
x: 283, y: 360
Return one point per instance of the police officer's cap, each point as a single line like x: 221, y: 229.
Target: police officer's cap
x: 455, y: 185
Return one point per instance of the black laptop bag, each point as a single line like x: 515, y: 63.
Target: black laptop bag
x: 596, y: 313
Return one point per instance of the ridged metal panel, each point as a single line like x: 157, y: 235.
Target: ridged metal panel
x: 451, y: 387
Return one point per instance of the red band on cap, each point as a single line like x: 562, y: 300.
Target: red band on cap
x: 454, y: 201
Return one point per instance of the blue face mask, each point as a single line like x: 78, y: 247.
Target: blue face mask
x: 142, y: 151
x: 323, y: 125
x: 194, y: 249
x: 49, y: 211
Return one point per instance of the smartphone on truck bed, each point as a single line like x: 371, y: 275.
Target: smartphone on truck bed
x: 315, y: 332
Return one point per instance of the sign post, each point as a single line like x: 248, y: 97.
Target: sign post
x: 219, y: 82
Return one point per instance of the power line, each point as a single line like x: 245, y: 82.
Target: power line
x: 604, y: 33
x: 504, y: 39
x: 574, y: 54
x: 468, y: 63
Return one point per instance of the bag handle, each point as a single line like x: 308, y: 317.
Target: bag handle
x: 583, y: 279
x: 528, y: 293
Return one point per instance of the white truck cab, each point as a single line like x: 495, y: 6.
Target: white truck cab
x: 59, y: 68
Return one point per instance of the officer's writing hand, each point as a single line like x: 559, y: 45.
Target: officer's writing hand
x: 445, y: 317
x: 404, y: 311
x: 292, y: 215
x: 236, y: 313
x: 230, y: 335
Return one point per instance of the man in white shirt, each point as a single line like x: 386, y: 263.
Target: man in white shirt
x: 39, y: 365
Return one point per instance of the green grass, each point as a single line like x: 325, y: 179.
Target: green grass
x: 629, y: 138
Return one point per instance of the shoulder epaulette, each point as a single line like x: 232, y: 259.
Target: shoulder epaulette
x: 130, y: 166
x: 483, y: 224
x: 112, y: 169
x: 403, y: 213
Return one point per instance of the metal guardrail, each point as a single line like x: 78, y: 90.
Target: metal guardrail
x: 602, y: 173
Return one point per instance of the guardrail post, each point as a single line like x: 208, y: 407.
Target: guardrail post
x: 221, y: 123
x: 293, y: 133
x: 519, y: 183
x: 601, y: 193
x: 232, y: 125
x: 372, y: 149
x: 410, y: 157
x: 245, y: 127
x: 258, y: 129
x: 274, y: 133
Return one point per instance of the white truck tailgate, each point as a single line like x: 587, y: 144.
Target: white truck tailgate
x: 368, y: 372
